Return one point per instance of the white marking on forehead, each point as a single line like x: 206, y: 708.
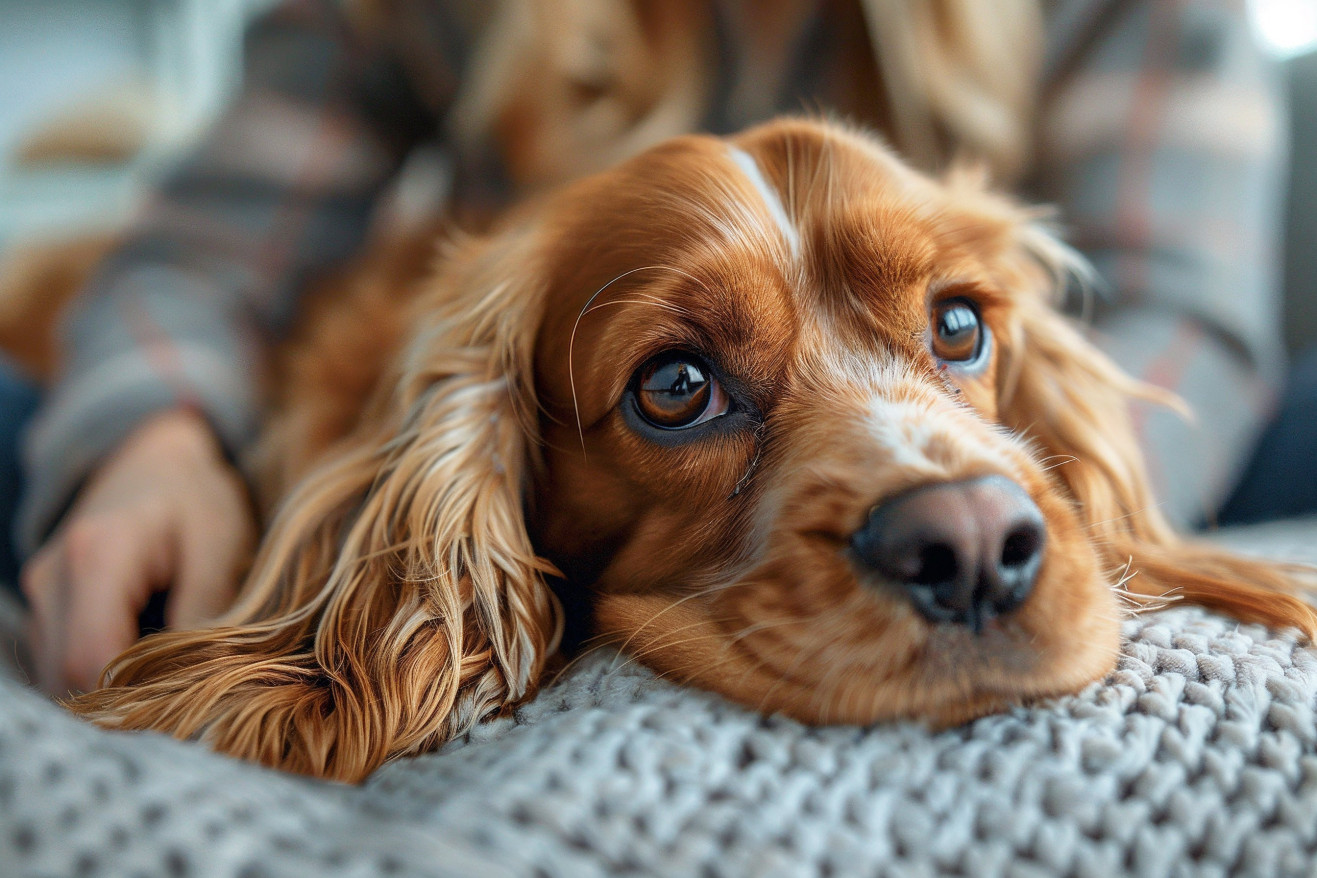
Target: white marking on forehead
x: 750, y: 168
x: 903, y: 429
x: 925, y: 437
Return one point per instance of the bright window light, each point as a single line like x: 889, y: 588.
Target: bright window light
x: 1287, y: 26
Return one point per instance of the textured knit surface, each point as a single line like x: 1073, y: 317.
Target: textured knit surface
x: 1198, y: 756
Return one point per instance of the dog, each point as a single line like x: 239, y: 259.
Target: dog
x: 788, y: 420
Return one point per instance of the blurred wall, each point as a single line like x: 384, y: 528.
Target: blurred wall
x: 94, y: 93
x: 1301, y: 210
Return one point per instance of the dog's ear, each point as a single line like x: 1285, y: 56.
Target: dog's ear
x: 1073, y: 403
x: 397, y: 600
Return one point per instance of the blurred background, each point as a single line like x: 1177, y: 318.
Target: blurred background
x: 151, y: 73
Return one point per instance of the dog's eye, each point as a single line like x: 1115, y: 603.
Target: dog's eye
x: 677, y: 390
x: 957, y: 332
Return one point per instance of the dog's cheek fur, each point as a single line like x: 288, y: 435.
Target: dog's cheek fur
x: 799, y: 636
x: 619, y: 515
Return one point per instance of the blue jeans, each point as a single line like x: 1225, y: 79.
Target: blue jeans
x: 1281, y: 479
x: 18, y: 401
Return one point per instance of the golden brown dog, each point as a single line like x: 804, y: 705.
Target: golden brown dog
x: 797, y: 424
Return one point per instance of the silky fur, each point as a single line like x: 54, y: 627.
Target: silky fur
x: 403, y: 591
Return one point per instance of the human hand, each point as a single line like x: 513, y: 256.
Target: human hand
x: 165, y: 511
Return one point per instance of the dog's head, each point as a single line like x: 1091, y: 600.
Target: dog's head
x: 781, y: 414
x: 799, y: 425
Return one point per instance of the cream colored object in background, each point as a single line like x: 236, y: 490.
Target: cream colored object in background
x: 97, y: 95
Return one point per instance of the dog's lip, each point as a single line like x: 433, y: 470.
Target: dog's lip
x: 931, y: 659
x: 789, y: 674
x: 826, y: 535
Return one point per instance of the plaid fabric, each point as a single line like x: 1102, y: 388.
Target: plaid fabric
x: 1159, y: 137
x: 1163, y: 142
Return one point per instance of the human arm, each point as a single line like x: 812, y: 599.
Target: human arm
x: 173, y: 329
x: 164, y: 511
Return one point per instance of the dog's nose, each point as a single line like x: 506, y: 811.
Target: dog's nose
x: 965, y: 552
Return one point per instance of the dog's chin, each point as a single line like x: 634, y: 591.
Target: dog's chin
x: 833, y: 650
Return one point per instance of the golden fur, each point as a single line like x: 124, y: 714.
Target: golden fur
x: 403, y: 592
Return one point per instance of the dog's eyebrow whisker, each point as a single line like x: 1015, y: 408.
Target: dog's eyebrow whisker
x: 1047, y: 464
x: 585, y: 309
x: 641, y: 299
x: 657, y: 303
x: 571, y: 348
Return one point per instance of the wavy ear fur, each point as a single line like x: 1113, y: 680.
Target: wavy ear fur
x: 397, y: 600
x: 1073, y: 402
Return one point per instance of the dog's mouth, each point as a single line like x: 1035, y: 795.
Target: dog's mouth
x: 882, y: 665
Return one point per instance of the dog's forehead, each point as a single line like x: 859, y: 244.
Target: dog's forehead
x: 738, y: 247
x: 830, y: 227
x: 865, y: 219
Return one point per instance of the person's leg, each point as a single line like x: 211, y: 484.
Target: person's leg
x: 18, y: 401
x: 1281, y: 479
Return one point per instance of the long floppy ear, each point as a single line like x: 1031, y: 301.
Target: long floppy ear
x: 397, y: 600
x: 1073, y: 402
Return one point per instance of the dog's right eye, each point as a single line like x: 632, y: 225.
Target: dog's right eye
x: 676, y: 390
x: 959, y: 334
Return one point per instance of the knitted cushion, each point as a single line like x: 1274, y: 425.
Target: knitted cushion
x: 1198, y: 756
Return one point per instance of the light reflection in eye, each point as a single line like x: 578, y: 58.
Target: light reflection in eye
x: 958, y: 332
x: 677, y: 390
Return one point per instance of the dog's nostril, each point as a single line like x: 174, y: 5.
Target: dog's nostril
x: 937, y: 565
x: 964, y: 552
x: 1022, y: 545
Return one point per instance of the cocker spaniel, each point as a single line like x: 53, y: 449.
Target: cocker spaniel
x: 784, y: 418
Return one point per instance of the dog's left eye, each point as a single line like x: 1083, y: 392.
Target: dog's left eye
x: 957, y: 332
x: 677, y: 390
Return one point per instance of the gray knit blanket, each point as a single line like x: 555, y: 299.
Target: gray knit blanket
x: 1198, y: 756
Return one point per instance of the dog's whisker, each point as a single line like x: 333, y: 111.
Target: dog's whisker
x: 695, y: 595
x: 660, y: 644
x: 821, y: 626
x: 1061, y: 460
x: 579, y: 658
